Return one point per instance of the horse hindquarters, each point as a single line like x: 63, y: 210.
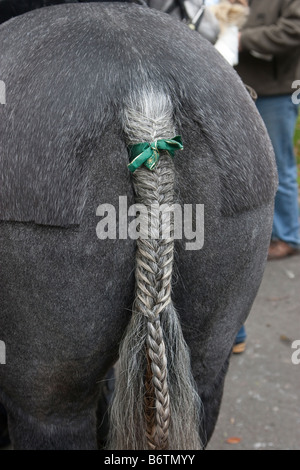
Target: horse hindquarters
x: 61, y: 328
x: 66, y: 295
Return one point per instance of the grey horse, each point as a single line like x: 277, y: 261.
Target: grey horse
x: 85, y: 86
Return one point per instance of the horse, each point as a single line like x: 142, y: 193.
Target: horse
x: 116, y: 112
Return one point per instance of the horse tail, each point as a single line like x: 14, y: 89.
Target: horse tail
x: 156, y: 405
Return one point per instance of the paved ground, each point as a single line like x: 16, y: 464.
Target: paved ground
x: 261, y: 403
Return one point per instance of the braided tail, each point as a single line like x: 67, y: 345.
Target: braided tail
x: 155, y: 405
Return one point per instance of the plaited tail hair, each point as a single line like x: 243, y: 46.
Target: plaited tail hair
x: 156, y: 406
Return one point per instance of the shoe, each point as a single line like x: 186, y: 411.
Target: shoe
x: 279, y: 249
x: 239, y: 348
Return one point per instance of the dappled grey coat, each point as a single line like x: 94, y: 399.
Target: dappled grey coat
x: 71, y: 74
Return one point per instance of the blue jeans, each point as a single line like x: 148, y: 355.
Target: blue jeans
x: 279, y: 115
x: 241, y: 336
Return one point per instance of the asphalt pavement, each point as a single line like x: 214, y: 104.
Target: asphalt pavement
x: 261, y: 402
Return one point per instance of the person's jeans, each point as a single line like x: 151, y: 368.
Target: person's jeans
x: 241, y: 336
x: 279, y: 115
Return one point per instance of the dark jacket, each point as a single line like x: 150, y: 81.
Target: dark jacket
x: 270, y: 40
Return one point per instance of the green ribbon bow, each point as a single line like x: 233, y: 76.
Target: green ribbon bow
x: 147, y: 153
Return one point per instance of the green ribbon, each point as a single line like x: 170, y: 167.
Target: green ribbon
x: 147, y: 153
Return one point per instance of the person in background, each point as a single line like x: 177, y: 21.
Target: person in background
x: 269, y: 61
x: 231, y: 15
x: 214, y: 2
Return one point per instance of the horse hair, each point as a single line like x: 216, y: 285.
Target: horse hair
x: 155, y: 389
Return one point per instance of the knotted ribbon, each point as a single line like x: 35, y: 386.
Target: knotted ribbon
x: 148, y: 153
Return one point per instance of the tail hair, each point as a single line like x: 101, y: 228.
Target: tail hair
x: 156, y: 405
